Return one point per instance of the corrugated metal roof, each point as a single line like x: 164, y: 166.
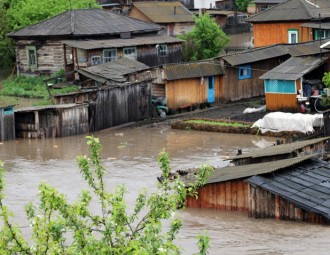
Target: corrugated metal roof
x: 114, y: 70
x: 305, y: 49
x: 316, y: 25
x: 294, y: 68
x: 279, y: 149
x: 244, y: 171
x: 256, y: 54
x: 191, y: 70
x: 306, y: 185
x: 87, y: 22
x: 48, y: 107
x: 164, y: 12
x: 294, y: 10
x: 115, y: 43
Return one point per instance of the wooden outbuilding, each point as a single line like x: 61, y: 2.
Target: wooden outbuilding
x: 193, y: 83
x: 7, y: 123
x: 284, y: 84
x: 52, y: 121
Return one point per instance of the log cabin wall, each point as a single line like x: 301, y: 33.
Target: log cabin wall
x: 263, y: 204
x: 51, y: 57
x: 274, y: 33
x: 283, y: 102
x: 191, y: 91
x: 227, y: 196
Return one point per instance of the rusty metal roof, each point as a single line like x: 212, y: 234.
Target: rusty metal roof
x: 237, y: 172
x: 279, y: 149
x: 294, y: 10
x: 114, y: 70
x: 294, y: 68
x: 191, y: 70
x: 86, y: 22
x: 307, y: 185
x: 48, y: 107
x: 256, y: 54
x: 116, y: 43
x: 164, y: 12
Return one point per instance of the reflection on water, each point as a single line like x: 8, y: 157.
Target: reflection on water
x: 130, y: 157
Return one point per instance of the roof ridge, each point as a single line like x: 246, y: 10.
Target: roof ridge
x: 72, y: 21
x: 304, y: 4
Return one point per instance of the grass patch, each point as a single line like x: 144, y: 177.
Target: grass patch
x: 218, y: 123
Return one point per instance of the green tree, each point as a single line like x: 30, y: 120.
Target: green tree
x: 62, y: 228
x: 16, y: 14
x: 242, y: 5
x: 205, y: 40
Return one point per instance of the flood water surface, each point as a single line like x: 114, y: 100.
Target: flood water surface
x: 130, y: 157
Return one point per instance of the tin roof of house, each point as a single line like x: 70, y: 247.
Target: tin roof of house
x: 316, y: 25
x: 86, y: 22
x: 114, y: 70
x: 306, y: 48
x: 164, y: 12
x: 294, y: 68
x: 243, y: 171
x: 279, y: 149
x: 48, y: 107
x: 255, y: 54
x: 115, y: 43
x: 293, y: 10
x: 307, y: 185
x: 191, y: 70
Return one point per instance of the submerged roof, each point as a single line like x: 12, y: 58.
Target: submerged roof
x: 279, y: 149
x: 191, y: 70
x: 244, y: 171
x: 164, y: 12
x: 294, y: 68
x: 307, y: 185
x: 86, y: 22
x: 294, y: 10
x: 115, y: 43
x: 114, y: 70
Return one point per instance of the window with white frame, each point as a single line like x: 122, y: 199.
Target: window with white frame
x: 109, y: 55
x: 162, y: 50
x: 96, y: 60
x: 31, y: 52
x: 130, y: 53
x: 321, y: 34
x: 292, y: 36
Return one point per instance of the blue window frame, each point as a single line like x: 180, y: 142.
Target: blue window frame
x: 280, y: 87
x: 244, y: 72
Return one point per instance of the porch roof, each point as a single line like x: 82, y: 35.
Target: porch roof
x: 294, y: 68
x: 117, y: 43
x: 306, y: 185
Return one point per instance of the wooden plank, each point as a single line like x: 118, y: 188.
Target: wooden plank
x: 277, y: 208
x: 240, y: 196
x: 234, y: 195
x: 228, y: 196
x: 222, y: 199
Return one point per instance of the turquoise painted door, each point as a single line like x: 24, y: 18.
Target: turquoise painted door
x: 210, y: 90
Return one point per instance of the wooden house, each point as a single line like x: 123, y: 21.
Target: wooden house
x: 7, y: 123
x: 284, y: 84
x: 174, y: 16
x: 81, y: 38
x: 52, y: 121
x: 292, y: 21
x: 195, y: 83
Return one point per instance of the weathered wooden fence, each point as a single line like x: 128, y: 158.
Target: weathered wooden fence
x: 7, y: 123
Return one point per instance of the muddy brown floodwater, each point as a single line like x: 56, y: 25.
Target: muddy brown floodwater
x: 130, y: 158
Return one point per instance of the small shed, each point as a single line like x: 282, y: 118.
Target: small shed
x: 193, y: 83
x: 283, y: 83
x: 7, y: 123
x: 282, y: 151
x: 52, y: 121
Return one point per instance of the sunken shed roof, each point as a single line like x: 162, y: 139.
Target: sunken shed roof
x: 307, y: 185
x: 294, y: 10
x: 164, y: 12
x: 86, y: 22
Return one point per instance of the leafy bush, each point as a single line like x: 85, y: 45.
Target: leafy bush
x: 62, y: 228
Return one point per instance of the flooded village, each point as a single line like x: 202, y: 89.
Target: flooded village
x: 257, y: 113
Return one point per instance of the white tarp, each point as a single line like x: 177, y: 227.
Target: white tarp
x: 281, y: 121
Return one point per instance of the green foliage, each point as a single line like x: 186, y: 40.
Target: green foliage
x: 205, y: 40
x: 60, y: 227
x: 218, y: 123
x: 326, y: 79
x: 16, y: 14
x: 242, y: 4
